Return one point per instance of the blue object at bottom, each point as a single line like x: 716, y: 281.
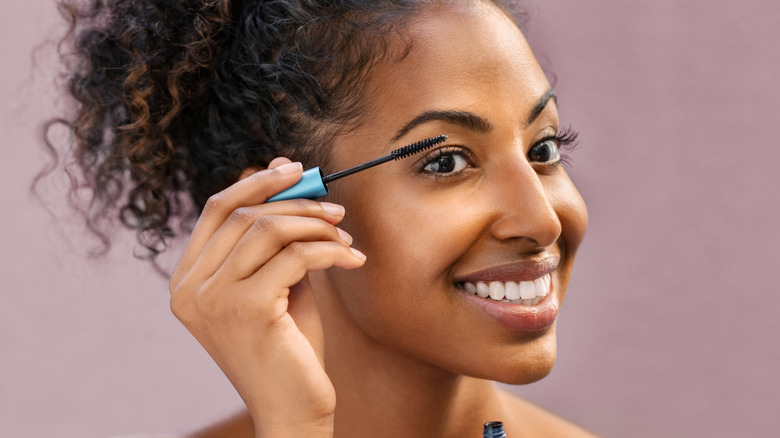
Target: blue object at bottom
x: 494, y: 429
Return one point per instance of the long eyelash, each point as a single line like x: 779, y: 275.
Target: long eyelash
x: 568, y: 140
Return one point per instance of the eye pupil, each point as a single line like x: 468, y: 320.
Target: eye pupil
x: 544, y: 152
x: 444, y: 164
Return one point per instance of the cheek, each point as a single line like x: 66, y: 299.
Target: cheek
x: 410, y: 244
x: 410, y: 241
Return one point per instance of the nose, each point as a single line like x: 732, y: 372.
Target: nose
x: 524, y: 207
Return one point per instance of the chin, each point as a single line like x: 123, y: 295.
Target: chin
x: 527, y: 374
x: 529, y: 363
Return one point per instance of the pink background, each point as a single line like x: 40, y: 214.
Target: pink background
x: 671, y: 322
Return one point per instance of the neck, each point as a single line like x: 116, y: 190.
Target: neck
x: 384, y: 393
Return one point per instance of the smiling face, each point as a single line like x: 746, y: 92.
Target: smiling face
x: 489, y: 212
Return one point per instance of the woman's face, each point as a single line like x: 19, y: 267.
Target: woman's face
x: 491, y: 208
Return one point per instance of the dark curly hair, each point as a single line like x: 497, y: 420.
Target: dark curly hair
x: 174, y: 98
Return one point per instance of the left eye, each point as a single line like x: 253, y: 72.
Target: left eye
x: 545, y: 151
x: 447, y: 162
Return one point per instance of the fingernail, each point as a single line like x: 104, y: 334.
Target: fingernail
x: 333, y: 209
x: 286, y: 169
x: 344, y: 235
x: 358, y: 253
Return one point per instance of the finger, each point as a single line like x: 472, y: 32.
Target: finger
x: 242, y: 219
x: 265, y: 238
x: 278, y: 161
x: 220, y: 245
x: 291, y: 264
x: 252, y: 190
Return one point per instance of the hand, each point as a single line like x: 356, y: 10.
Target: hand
x: 240, y: 288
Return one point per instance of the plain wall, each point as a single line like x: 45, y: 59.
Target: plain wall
x: 669, y: 327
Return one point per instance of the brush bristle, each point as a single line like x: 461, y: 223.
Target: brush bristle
x: 417, y: 147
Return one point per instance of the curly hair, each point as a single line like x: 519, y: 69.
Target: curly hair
x: 174, y: 98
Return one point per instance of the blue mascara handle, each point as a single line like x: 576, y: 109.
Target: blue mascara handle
x: 310, y: 186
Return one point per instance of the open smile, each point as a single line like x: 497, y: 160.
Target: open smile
x: 519, y: 295
x: 527, y: 293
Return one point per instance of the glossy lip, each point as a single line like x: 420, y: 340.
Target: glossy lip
x: 517, y: 317
x: 525, y: 270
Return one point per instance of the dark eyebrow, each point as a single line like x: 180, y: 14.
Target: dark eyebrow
x: 470, y: 120
x: 461, y: 118
x: 541, y: 105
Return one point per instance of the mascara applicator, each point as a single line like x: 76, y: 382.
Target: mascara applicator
x: 313, y: 184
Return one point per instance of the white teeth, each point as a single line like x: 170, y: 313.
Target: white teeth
x: 523, y: 292
x: 483, y: 290
x: 541, y: 287
x: 546, y: 286
x: 527, y: 290
x: 512, y: 290
x: 497, y: 290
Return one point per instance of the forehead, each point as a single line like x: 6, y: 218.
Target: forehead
x: 466, y: 56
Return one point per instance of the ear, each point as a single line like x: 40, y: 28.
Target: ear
x: 249, y: 170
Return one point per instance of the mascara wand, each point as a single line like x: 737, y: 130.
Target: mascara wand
x: 312, y: 184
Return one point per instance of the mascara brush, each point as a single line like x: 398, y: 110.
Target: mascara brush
x: 313, y: 184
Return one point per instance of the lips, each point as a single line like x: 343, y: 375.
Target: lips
x: 524, y: 270
x: 519, y: 295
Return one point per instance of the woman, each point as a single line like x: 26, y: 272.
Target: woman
x: 380, y: 311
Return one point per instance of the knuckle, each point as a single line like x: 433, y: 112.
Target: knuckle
x: 180, y: 305
x: 266, y: 224
x: 209, y: 305
x: 173, y: 283
x: 216, y: 202
x: 193, y: 304
x: 302, y: 204
x: 242, y: 215
x: 208, y: 302
x: 299, y: 249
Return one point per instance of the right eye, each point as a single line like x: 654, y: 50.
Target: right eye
x: 446, y: 162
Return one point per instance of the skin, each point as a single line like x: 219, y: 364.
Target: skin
x: 266, y: 287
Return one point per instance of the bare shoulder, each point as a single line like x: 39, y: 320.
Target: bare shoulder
x: 237, y: 426
x: 532, y: 420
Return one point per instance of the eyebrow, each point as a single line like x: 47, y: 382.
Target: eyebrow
x: 470, y: 120
x: 541, y: 104
x: 465, y: 119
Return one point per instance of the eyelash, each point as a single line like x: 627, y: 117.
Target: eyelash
x: 566, y: 140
